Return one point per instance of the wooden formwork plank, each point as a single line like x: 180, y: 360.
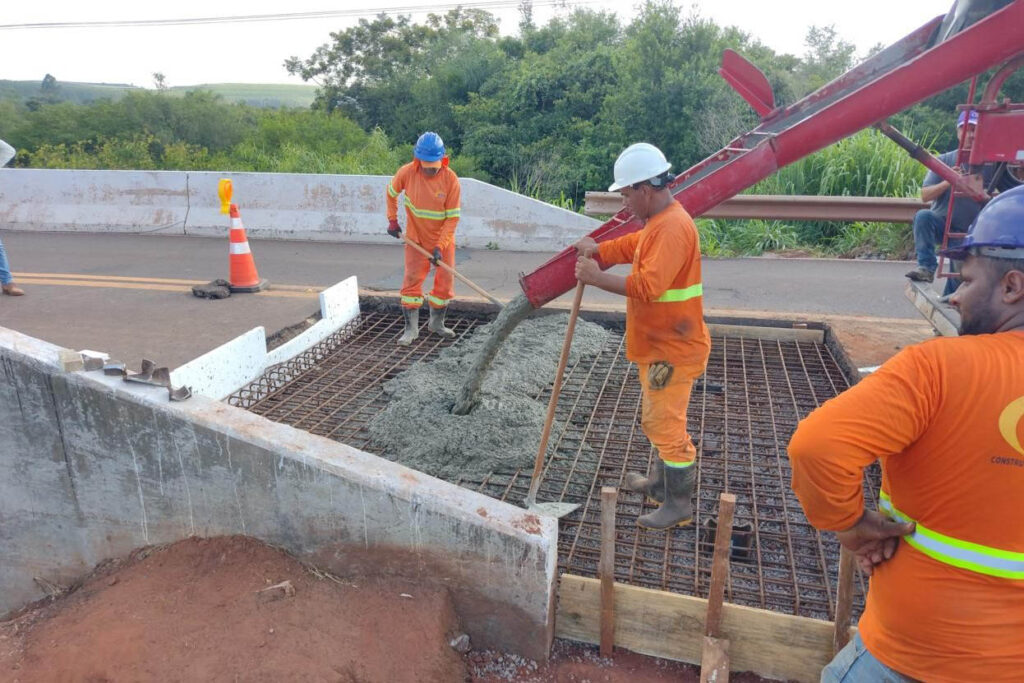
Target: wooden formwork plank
x: 671, y: 626
x: 769, y: 333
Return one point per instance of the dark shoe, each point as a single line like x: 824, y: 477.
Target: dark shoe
x: 436, y: 324
x: 921, y: 274
x: 652, y: 486
x: 677, y: 510
x: 412, y: 326
x: 12, y: 289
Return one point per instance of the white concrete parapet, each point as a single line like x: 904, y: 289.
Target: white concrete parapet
x: 298, y: 206
x: 229, y: 367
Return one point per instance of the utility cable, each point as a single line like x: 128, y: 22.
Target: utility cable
x: 291, y: 16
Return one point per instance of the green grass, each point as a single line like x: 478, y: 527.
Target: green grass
x: 269, y: 95
x: 258, y: 94
x: 863, y: 165
x: 79, y: 93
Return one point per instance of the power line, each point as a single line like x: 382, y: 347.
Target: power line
x: 290, y: 16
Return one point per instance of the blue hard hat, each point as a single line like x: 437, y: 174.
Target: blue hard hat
x: 997, y: 232
x: 429, y: 147
x: 967, y: 117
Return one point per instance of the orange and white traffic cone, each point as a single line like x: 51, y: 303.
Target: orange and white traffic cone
x: 243, y: 275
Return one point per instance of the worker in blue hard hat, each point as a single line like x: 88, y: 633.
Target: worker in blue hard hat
x: 432, y: 209
x: 945, y: 419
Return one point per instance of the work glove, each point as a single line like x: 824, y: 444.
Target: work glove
x: 437, y: 256
x: 659, y: 374
x: 394, y: 229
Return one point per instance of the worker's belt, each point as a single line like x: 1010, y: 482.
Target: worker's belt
x: 956, y: 552
x: 673, y: 295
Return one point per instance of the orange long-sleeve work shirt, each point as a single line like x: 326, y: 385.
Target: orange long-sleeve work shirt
x: 946, y: 420
x: 664, y: 292
x: 432, y: 205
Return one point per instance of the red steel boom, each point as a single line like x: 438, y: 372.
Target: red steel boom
x: 920, y: 65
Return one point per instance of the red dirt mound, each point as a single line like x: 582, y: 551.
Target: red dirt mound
x: 194, y: 611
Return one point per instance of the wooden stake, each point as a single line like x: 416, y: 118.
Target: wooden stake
x: 714, y: 660
x: 720, y: 563
x: 844, y: 600
x: 606, y: 569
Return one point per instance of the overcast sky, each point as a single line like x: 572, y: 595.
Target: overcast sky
x: 254, y: 52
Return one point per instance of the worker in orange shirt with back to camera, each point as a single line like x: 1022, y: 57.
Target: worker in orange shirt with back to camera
x: 665, y: 332
x: 432, y: 209
x: 945, y: 551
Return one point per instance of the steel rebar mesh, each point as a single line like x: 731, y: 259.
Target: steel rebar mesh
x: 741, y: 433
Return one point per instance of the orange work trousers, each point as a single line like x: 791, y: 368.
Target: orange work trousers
x: 663, y: 416
x: 417, y: 267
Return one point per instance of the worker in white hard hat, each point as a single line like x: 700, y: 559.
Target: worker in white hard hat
x: 665, y: 332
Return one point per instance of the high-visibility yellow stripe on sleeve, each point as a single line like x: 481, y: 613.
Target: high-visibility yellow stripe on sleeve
x: 391, y: 190
x: 675, y: 295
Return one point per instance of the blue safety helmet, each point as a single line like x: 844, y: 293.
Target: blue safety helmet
x: 972, y: 118
x: 997, y: 232
x: 429, y: 147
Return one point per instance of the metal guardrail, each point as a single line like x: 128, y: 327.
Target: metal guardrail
x: 787, y: 207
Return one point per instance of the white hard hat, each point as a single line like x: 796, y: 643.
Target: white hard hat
x: 638, y: 162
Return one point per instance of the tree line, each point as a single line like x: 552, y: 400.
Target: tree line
x: 543, y: 112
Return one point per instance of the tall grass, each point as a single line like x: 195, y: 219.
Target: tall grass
x: 866, y: 164
x: 863, y: 165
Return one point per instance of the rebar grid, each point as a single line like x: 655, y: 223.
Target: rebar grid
x: 741, y: 434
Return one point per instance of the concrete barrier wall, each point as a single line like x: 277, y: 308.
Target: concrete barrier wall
x: 92, y: 467
x: 332, y: 208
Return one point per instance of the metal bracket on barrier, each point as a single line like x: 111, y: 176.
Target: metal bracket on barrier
x: 149, y: 374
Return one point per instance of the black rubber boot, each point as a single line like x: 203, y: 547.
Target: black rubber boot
x: 436, y: 324
x: 412, y: 326
x: 677, y: 510
x: 652, y: 486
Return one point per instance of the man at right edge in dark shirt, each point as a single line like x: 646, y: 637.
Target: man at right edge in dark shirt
x: 929, y: 224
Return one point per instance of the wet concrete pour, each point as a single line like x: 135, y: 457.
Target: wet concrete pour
x: 336, y: 388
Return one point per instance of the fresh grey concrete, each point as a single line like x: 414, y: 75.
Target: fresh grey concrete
x: 297, y: 206
x: 92, y: 467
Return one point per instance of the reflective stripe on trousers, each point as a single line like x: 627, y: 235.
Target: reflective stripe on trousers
x: 956, y: 552
x: 674, y: 295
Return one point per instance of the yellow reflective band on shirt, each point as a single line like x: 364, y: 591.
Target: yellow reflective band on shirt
x: 675, y: 295
x: 453, y: 213
x: 956, y: 552
x: 423, y: 213
x: 391, y: 190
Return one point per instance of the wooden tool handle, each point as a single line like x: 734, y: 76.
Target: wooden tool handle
x: 538, y: 465
x: 479, y: 290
